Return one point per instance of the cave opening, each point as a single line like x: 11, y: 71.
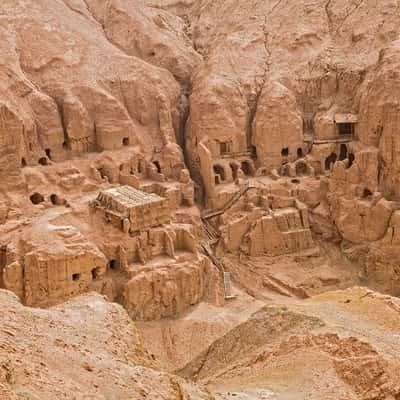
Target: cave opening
x: 351, y: 159
x: 285, y: 152
x: 301, y: 168
x: 366, y: 193
x: 43, y: 161
x: 219, y: 171
x: 140, y: 166
x: 300, y: 153
x: 235, y: 169
x: 55, y: 200
x: 96, y: 273
x: 246, y: 168
x: 112, y: 264
x: 158, y: 166
x: 330, y: 161
x: 343, y: 152
x: 36, y: 198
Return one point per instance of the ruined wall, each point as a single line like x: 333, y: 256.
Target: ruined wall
x: 48, y: 279
x: 266, y: 221
x: 166, y: 292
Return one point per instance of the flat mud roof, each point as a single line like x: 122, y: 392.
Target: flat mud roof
x: 129, y: 197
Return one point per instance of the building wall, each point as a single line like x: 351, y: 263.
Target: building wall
x: 151, y: 214
x: 47, y: 278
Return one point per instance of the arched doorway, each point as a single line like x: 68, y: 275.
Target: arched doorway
x: 246, y: 168
x: 366, y: 193
x: 235, y: 169
x: 300, y: 153
x: 158, y: 166
x: 351, y: 160
x: 301, y: 168
x: 141, y: 166
x: 329, y: 161
x: 43, y: 161
x: 219, y: 172
x: 36, y: 198
x: 285, y: 152
x: 343, y: 152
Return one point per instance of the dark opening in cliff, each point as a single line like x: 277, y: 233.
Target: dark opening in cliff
x: 329, y: 161
x: 37, y: 198
x: 219, y: 170
x: 96, y: 273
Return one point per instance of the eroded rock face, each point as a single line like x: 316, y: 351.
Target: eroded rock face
x: 378, y: 126
x: 279, y: 118
x: 277, y: 124
x: 150, y: 34
x: 86, y: 348
x: 253, y: 60
x: 74, y: 91
x: 279, y: 346
x: 168, y: 291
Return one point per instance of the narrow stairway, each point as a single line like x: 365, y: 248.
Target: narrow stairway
x: 229, y: 204
x: 219, y: 264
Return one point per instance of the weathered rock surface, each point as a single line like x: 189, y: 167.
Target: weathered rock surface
x: 284, y: 114
x: 68, y: 90
x: 319, y: 57
x: 333, y: 346
x: 86, y: 348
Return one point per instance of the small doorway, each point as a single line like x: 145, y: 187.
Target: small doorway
x: 300, y: 153
x: 246, y: 168
x: 158, y: 166
x: 235, y: 169
x: 219, y: 171
x: 330, y: 161
x: 301, y: 168
x: 343, y: 152
x: 351, y: 160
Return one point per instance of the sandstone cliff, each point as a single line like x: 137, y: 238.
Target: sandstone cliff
x: 268, y: 132
x: 67, y: 89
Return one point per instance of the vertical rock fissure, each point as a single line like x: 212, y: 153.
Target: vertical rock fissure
x: 254, y: 105
x: 62, y: 121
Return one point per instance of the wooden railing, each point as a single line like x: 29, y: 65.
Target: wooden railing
x: 229, y: 204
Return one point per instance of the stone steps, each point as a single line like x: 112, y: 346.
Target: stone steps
x: 228, y: 286
x: 229, y: 204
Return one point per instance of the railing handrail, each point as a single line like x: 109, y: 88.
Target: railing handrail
x: 230, y: 202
